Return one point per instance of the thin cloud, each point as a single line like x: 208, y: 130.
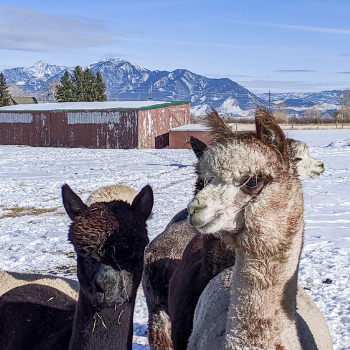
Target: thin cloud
x: 294, y: 71
x: 28, y: 30
x: 303, y: 28
x: 343, y: 72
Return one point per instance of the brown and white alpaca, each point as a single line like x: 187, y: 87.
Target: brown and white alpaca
x: 254, y: 203
x: 164, y: 258
x: 109, y: 238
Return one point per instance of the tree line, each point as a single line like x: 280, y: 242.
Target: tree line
x: 80, y: 86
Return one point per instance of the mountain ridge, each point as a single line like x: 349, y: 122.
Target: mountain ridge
x: 126, y: 80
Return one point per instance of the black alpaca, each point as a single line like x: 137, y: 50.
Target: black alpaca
x: 109, y: 238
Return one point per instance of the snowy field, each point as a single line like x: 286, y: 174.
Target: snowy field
x: 34, y: 226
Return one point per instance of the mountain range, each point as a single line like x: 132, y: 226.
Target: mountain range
x: 128, y: 81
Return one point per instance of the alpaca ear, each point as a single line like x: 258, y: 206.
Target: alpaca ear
x: 270, y: 133
x: 198, y: 147
x: 72, y: 203
x: 143, y: 202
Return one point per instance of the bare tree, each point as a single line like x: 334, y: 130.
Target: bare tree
x: 313, y: 112
x: 280, y: 113
x: 51, y: 90
x: 344, y: 98
x: 16, y: 90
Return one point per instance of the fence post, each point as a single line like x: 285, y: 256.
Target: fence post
x: 236, y: 126
x: 318, y: 125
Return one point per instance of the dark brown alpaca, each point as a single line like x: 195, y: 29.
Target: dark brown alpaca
x: 203, y: 259
x: 162, y: 257
x: 109, y: 238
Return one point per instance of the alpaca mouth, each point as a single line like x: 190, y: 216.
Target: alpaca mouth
x: 315, y: 174
x: 103, y: 299
x: 204, y: 226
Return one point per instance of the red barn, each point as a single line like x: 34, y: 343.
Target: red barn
x: 117, y: 124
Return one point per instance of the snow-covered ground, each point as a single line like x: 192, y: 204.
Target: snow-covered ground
x: 34, y: 226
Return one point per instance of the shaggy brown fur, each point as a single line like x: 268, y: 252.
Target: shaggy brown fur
x: 90, y: 240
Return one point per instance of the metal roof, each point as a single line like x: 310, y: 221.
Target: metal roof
x: 84, y: 106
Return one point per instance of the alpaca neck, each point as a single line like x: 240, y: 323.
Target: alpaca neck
x: 102, y: 328
x: 263, y: 303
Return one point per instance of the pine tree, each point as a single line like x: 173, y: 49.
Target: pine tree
x: 82, y: 86
x: 5, y: 97
x: 64, y: 91
x: 100, y: 88
x: 89, y: 84
x: 78, y: 84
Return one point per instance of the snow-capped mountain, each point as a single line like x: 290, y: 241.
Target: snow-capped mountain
x: 330, y: 97
x: 126, y: 80
x: 34, y: 77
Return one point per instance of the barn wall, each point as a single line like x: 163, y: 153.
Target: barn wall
x: 154, y: 124
x: 181, y: 139
x: 20, y: 128
x: 92, y: 129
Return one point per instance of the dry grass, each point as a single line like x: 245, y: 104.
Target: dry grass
x: 20, y: 211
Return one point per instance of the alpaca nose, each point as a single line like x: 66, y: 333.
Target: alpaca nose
x: 104, y: 281
x: 195, y: 206
x: 321, y: 165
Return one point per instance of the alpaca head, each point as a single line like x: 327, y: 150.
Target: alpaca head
x: 307, y: 166
x: 251, y: 186
x: 109, y: 239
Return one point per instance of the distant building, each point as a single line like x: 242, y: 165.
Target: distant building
x: 23, y: 100
x: 117, y: 124
x: 330, y: 114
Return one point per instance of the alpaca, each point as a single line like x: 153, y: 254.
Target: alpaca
x: 254, y: 203
x: 214, y: 303
x: 10, y: 280
x: 109, y: 239
x: 172, y: 318
x: 205, y: 257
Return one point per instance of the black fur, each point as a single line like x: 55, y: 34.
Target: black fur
x: 109, y: 272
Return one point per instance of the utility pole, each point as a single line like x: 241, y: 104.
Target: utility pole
x: 150, y: 98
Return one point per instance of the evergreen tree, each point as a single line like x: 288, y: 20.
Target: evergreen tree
x: 100, y: 88
x: 82, y: 86
x: 5, y: 97
x: 89, y: 84
x: 78, y: 84
x: 64, y: 91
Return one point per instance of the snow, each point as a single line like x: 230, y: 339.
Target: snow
x: 82, y: 105
x: 36, y: 240
x: 191, y: 127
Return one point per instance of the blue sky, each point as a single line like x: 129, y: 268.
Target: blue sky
x: 282, y: 46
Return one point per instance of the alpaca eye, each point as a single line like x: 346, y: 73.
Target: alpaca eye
x: 252, y: 183
x: 297, y: 159
x: 207, y: 181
